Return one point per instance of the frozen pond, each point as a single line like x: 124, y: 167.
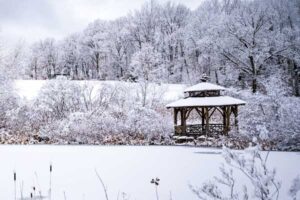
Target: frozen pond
x: 123, y: 169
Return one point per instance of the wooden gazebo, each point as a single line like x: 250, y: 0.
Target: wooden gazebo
x: 206, y: 99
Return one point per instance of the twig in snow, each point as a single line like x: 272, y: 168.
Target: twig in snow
x: 65, y: 197
x: 102, y: 183
x: 50, y: 181
x: 15, y: 184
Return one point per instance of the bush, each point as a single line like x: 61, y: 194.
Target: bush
x: 58, y: 98
x: 270, y: 118
x: 8, y: 99
x: 147, y: 121
x: 77, y: 112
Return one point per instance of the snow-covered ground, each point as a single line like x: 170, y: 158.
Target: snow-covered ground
x: 126, y: 169
x: 29, y: 89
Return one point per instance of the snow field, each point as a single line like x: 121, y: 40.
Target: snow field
x: 126, y: 169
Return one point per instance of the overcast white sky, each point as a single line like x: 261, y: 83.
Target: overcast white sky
x: 32, y: 20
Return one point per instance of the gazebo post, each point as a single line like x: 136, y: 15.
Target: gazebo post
x: 202, y: 118
x: 228, y: 111
x: 183, y: 120
x: 206, y: 121
x: 236, y: 121
x: 175, y: 116
x: 224, y: 118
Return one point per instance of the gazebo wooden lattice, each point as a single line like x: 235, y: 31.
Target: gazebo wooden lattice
x: 206, y: 99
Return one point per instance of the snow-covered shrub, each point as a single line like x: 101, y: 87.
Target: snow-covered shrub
x: 84, y: 123
x: 55, y: 101
x: 112, y: 97
x: 295, y: 188
x: 149, y: 95
x: 147, y: 121
x: 83, y: 126
x: 59, y: 97
x: 270, y: 118
x: 287, y: 126
x: 256, y: 116
x: 252, y: 165
x: 78, y: 112
x: 8, y: 99
x: 21, y: 119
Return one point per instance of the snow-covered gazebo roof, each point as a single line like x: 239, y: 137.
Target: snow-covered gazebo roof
x: 204, y: 86
x: 205, y: 98
x: 206, y: 101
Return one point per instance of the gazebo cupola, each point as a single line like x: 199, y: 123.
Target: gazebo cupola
x: 206, y: 99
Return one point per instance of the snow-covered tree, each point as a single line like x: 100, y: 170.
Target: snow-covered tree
x: 238, y: 43
x: 171, y: 40
x: 252, y: 39
x: 95, y: 48
x: 16, y: 60
x: 145, y: 64
x: 70, y: 57
x: 43, y: 62
x: 120, y: 49
x: 144, y: 23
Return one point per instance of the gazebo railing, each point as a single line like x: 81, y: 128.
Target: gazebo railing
x: 199, y: 129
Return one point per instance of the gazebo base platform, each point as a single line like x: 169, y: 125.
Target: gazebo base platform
x: 199, y: 130
x: 193, y: 138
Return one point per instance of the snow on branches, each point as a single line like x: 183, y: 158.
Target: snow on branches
x: 250, y: 165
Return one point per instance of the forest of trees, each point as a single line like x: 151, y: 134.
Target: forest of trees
x: 236, y: 42
x: 252, y: 46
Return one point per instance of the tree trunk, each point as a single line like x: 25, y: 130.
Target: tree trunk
x: 296, y: 80
x: 121, y: 72
x: 254, y: 73
x: 76, y: 72
x: 35, y: 70
x: 97, y: 56
x: 254, y: 85
x: 217, y: 77
x: 144, y: 87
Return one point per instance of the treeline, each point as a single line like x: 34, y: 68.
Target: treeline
x: 236, y: 42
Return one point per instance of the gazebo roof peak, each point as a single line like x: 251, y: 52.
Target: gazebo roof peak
x: 204, y: 86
